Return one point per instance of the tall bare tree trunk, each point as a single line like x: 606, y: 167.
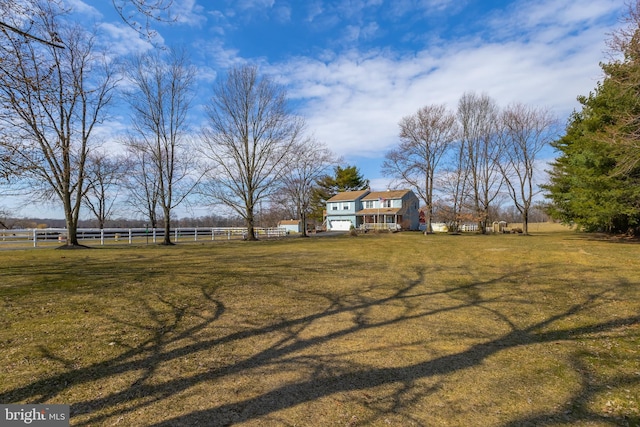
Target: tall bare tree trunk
x: 425, y: 137
x: 160, y: 102
x: 250, y: 137
x: 52, y: 95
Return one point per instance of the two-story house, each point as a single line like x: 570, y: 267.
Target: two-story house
x: 391, y: 209
x: 342, y: 208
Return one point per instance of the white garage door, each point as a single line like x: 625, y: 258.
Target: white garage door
x: 340, y: 225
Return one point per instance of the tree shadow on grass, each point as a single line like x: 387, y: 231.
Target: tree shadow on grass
x: 361, y: 379
x: 291, y: 346
x: 579, y: 408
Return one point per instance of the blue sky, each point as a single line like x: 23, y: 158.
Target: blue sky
x: 354, y: 68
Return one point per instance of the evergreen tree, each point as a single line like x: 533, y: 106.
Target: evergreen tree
x: 327, y: 186
x: 595, y: 182
x: 349, y: 179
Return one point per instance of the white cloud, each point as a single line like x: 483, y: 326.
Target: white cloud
x: 282, y: 13
x: 551, y: 18
x: 219, y: 56
x: 80, y: 7
x: 255, y: 4
x: 351, y: 33
x: 552, y: 12
x: 370, y: 30
x: 315, y: 8
x: 189, y: 12
x: 400, y: 8
x: 354, y: 100
x: 124, y: 40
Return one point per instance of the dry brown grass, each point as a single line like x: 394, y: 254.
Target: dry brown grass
x: 543, y: 227
x: 388, y: 329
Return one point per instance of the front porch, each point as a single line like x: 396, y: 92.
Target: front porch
x: 387, y: 219
x: 389, y: 226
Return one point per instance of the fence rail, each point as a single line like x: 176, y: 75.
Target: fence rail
x: 96, y: 236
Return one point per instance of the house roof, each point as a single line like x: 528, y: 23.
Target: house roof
x: 389, y: 194
x: 347, y: 196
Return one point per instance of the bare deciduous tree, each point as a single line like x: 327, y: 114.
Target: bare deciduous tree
x: 250, y: 135
x: 17, y: 19
x: 50, y: 101
x: 149, y: 10
x: 425, y: 138
x: 129, y: 10
x: 525, y: 132
x: 4, y: 215
x: 7, y: 168
x: 142, y: 182
x: 105, y: 175
x: 453, y: 183
x: 478, y: 117
x: 306, y: 164
x: 160, y: 103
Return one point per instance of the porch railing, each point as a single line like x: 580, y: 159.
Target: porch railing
x: 390, y: 226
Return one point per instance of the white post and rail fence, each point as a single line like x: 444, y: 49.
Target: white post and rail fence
x: 101, y: 236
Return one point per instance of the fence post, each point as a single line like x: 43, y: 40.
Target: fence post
x: 213, y: 233
x: 130, y: 236
x: 35, y: 237
x: 102, y: 237
x: 195, y: 234
x: 175, y: 235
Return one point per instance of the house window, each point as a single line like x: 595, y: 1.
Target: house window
x: 345, y: 206
x: 386, y: 203
x: 334, y: 207
x: 368, y: 204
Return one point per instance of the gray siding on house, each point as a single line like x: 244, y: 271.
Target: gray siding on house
x: 358, y: 206
x: 341, y: 208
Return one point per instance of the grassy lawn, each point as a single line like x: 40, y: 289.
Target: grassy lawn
x: 388, y: 329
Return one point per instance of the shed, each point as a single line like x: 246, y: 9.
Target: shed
x: 291, y: 225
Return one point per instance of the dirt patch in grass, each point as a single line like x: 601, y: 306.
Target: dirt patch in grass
x: 397, y: 329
